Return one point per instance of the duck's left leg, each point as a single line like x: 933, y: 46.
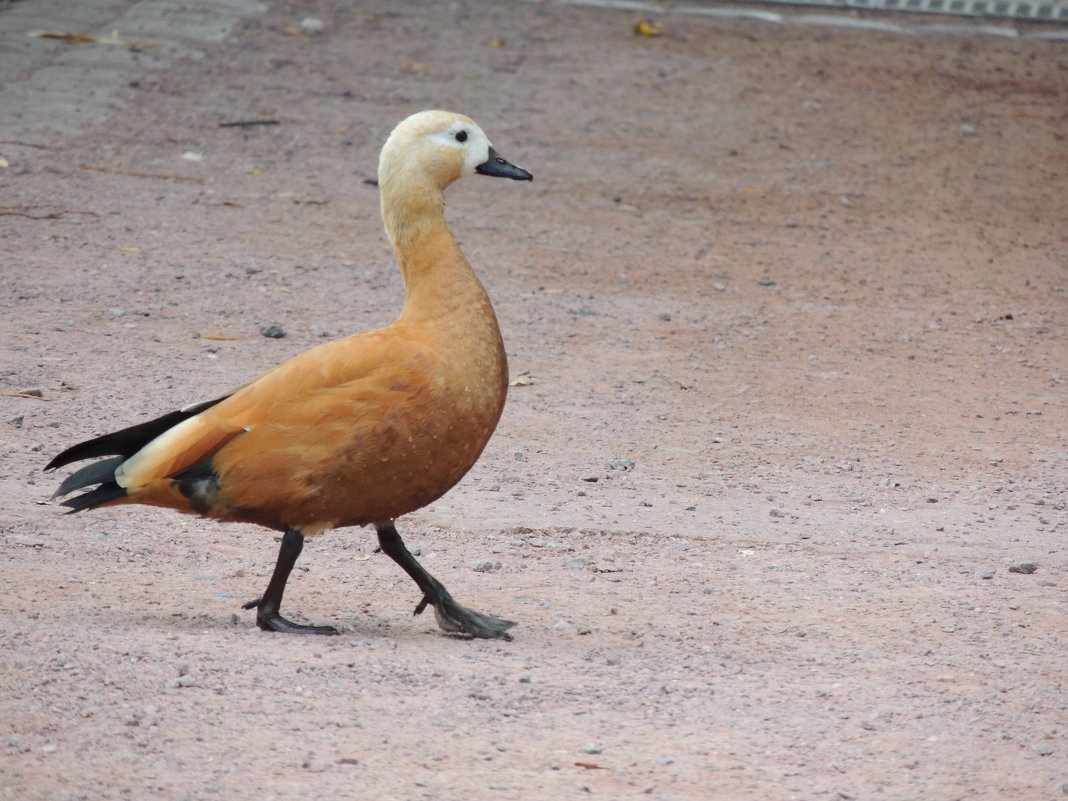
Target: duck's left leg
x: 268, y: 617
x: 451, y: 616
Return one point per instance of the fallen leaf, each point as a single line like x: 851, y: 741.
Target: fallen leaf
x: 129, y: 250
x: 643, y: 28
x: 590, y: 766
x: 70, y: 37
x: 4, y: 163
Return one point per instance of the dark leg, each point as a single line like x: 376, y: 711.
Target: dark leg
x: 267, y: 616
x: 451, y: 616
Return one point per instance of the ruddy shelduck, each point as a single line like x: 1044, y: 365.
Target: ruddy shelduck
x: 354, y: 432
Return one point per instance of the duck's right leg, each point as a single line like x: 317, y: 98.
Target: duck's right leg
x: 451, y: 616
x: 268, y: 617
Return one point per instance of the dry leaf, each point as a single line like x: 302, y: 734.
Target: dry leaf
x: 4, y: 163
x: 129, y: 250
x: 110, y: 39
x: 643, y: 28
x: 70, y: 37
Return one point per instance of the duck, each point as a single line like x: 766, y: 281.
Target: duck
x: 358, y: 431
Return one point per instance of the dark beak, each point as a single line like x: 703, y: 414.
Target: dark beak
x: 500, y: 168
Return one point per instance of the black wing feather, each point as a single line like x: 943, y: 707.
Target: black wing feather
x: 108, y: 491
x: 130, y: 440
x: 120, y: 446
x: 96, y: 473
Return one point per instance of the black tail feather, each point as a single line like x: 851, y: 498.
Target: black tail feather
x: 120, y: 446
x: 101, y: 472
x: 108, y: 491
x: 128, y: 441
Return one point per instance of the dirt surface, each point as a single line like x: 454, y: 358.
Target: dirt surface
x: 789, y: 309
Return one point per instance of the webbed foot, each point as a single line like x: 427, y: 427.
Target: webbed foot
x: 271, y: 620
x: 456, y: 618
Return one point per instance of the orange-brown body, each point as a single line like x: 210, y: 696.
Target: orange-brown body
x: 358, y: 430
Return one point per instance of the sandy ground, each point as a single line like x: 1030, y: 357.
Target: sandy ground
x: 790, y: 308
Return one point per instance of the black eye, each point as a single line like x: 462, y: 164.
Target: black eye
x: 461, y: 136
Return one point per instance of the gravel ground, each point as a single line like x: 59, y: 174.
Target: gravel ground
x: 786, y: 313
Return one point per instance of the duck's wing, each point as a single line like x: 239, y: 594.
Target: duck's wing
x: 186, y: 439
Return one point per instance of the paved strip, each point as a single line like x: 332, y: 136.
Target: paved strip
x: 1043, y: 26
x: 52, y: 87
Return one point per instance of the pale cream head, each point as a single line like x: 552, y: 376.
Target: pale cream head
x: 441, y: 146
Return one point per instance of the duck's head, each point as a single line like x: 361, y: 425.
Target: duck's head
x: 440, y: 147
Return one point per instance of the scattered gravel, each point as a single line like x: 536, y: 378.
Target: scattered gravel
x: 272, y: 330
x: 1023, y: 567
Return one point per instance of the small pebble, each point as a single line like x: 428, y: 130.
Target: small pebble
x: 483, y: 565
x: 777, y: 513
x: 968, y: 129
x: 16, y: 420
x: 1023, y: 567
x: 415, y: 550
x: 312, y: 26
x: 272, y: 331
x: 663, y: 760
x: 590, y: 748
x: 1045, y: 749
x: 621, y: 464
x: 578, y: 563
